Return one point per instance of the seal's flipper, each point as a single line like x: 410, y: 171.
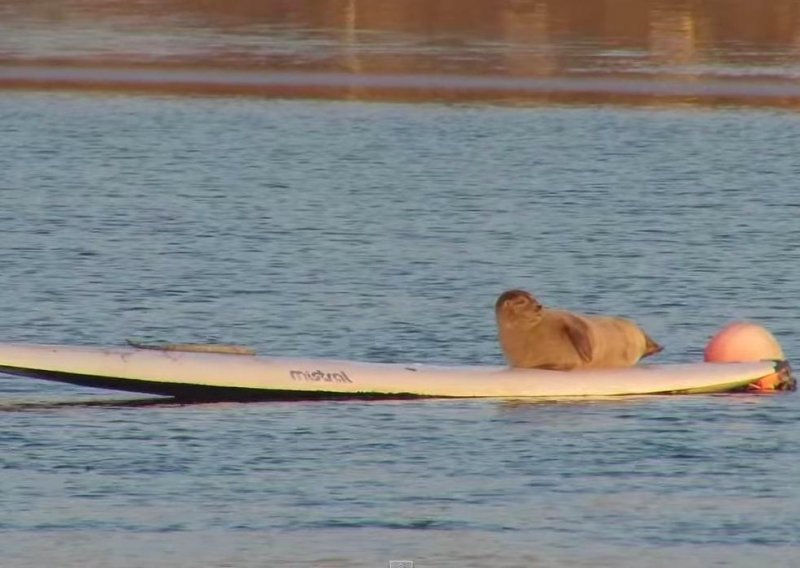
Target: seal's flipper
x: 578, y: 333
x: 651, y: 347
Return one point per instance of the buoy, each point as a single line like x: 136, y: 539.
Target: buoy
x: 745, y: 341
x: 742, y: 342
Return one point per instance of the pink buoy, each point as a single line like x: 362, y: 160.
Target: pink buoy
x: 743, y: 342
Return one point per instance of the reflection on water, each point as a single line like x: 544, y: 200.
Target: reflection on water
x: 10, y: 404
x: 678, y: 43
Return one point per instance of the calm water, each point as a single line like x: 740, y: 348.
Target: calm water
x: 384, y: 232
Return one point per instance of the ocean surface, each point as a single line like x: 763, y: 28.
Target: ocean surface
x: 384, y: 232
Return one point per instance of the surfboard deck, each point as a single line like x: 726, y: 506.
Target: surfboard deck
x: 208, y: 376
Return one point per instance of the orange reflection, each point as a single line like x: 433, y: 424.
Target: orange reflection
x: 677, y: 42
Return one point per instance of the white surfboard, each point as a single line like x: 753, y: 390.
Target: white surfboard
x: 195, y: 376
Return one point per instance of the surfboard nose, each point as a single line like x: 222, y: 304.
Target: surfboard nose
x: 781, y: 380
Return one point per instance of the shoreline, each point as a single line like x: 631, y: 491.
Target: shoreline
x: 634, y: 89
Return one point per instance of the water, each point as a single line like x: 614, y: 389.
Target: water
x: 384, y: 232
x: 696, y: 481
x: 523, y: 52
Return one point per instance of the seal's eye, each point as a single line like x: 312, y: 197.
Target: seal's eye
x: 516, y: 300
x: 520, y: 302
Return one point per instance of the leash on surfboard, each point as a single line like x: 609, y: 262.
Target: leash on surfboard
x: 194, y: 347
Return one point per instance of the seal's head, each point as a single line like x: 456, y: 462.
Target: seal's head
x: 518, y: 307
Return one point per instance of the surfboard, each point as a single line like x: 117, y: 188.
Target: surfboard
x: 199, y: 375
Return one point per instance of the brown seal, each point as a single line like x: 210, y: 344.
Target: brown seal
x: 536, y: 337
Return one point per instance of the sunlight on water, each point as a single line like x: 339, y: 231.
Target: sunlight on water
x: 656, y: 51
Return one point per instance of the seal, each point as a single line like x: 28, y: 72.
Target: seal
x: 533, y: 336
